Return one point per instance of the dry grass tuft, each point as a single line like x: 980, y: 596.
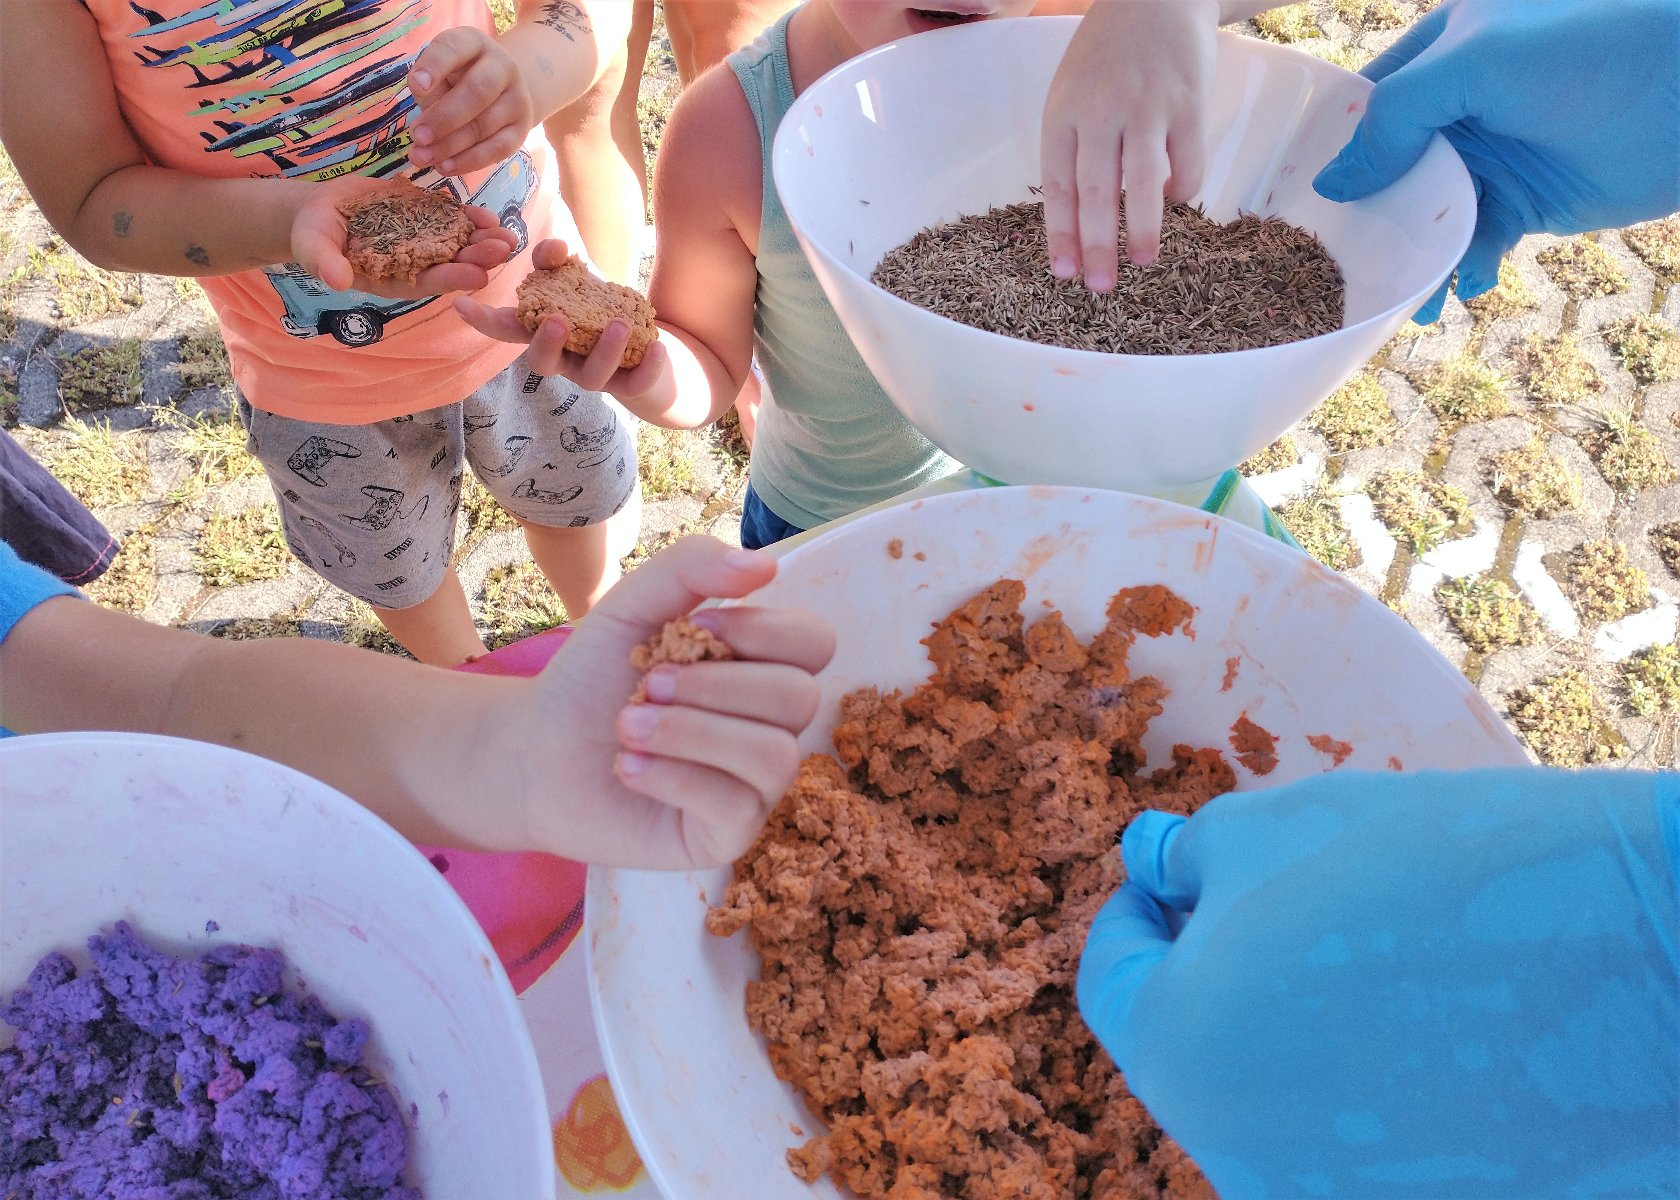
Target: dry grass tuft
x: 1602, y: 584
x: 1564, y: 722
x: 1533, y: 480
x: 1557, y: 372
x: 1356, y: 416
x: 1583, y: 268
x: 1419, y: 509
x: 1489, y: 613
x: 241, y: 547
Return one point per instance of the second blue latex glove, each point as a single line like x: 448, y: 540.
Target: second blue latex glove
x: 1428, y: 985
x: 1566, y: 112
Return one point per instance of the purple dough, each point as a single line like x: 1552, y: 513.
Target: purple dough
x: 197, y: 1078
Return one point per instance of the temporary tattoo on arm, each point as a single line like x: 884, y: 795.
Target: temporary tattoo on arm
x: 564, y: 17
x: 121, y: 223
x: 198, y: 254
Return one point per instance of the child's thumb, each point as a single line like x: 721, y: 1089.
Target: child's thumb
x: 672, y: 582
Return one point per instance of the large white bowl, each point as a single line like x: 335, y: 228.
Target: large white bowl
x: 932, y: 127
x: 1313, y: 655
x: 171, y: 834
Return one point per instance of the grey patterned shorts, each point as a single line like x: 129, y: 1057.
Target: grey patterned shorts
x: 372, y: 508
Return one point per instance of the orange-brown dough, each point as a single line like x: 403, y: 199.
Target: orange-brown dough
x: 919, y: 901
x: 680, y: 641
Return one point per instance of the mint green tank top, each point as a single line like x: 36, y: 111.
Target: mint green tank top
x: 829, y: 442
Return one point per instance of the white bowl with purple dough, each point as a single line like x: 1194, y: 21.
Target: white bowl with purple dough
x: 939, y: 126
x: 203, y: 850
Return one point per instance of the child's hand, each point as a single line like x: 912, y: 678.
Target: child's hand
x: 686, y: 779
x: 1125, y: 112
x: 320, y: 231
x: 598, y: 371
x: 475, y: 109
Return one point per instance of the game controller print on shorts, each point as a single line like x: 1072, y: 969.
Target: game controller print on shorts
x: 372, y: 508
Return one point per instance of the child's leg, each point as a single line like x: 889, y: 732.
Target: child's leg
x: 371, y: 509
x: 563, y: 462
x: 583, y: 563
x: 603, y: 175
x: 438, y: 630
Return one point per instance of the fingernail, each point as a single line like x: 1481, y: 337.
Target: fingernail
x: 742, y: 560
x: 1099, y: 281
x: 629, y: 763
x: 636, y: 722
x: 446, y: 167
x: 1063, y: 267
x: 422, y: 134
x: 1143, y: 258
x: 422, y: 80
x: 708, y: 619
x: 660, y: 684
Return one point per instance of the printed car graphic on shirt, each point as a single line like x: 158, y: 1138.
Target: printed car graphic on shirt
x: 359, y: 318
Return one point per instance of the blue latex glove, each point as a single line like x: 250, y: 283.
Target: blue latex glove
x: 1428, y: 985
x: 1566, y: 112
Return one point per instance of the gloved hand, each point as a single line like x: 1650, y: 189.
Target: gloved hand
x: 1566, y: 112
x: 1438, y: 984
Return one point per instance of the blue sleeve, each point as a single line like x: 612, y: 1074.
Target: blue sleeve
x: 22, y: 587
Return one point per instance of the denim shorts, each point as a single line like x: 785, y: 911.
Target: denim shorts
x: 759, y: 526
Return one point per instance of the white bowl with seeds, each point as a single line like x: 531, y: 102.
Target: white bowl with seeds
x: 943, y: 126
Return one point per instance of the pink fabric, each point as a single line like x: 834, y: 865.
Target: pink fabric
x: 530, y: 905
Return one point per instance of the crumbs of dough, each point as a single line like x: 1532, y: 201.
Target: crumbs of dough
x: 895, y: 548
x: 1231, y: 665
x: 919, y: 900
x: 1256, y: 747
x: 680, y: 641
x: 1325, y: 744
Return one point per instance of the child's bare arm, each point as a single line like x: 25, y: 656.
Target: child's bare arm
x: 558, y: 763
x: 707, y: 204
x: 64, y: 130
x: 480, y: 96
x: 62, y: 127
x: 706, y: 208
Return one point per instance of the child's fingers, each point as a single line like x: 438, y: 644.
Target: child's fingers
x: 550, y: 254
x: 446, y: 278
x: 760, y: 755
x: 1143, y: 163
x: 443, y: 60
x: 318, y: 243
x: 1187, y: 152
x: 487, y: 138
x: 672, y: 582
x: 719, y: 815
x: 772, y: 692
x: 548, y: 354
x: 785, y: 635
x: 601, y: 364
x: 465, y: 112
x: 487, y: 253
x: 1057, y: 156
x: 497, y: 148
x: 503, y: 324
x: 1098, y: 176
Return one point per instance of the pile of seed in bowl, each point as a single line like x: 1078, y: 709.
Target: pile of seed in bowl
x: 1215, y: 288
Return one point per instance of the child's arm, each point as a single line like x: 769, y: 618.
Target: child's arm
x: 556, y: 763
x: 63, y: 129
x: 1126, y: 112
x: 479, y: 96
x: 707, y: 204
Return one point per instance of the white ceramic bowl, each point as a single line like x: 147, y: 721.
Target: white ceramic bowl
x: 170, y: 834
x: 930, y: 128
x: 1314, y: 655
